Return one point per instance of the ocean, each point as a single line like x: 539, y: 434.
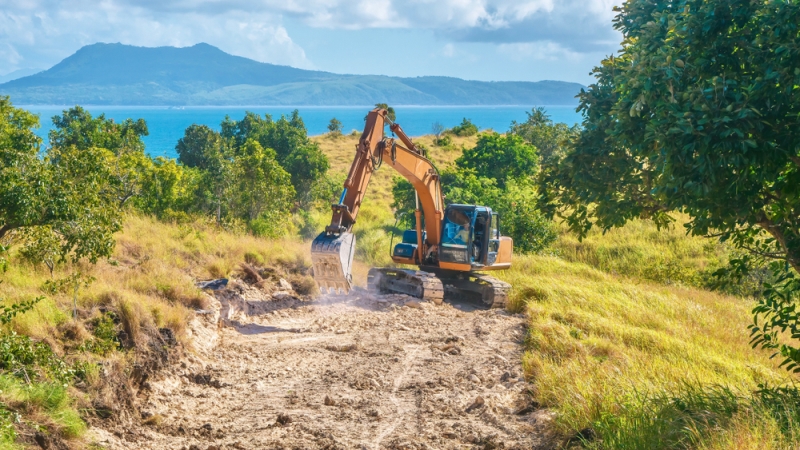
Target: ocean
x: 166, y: 125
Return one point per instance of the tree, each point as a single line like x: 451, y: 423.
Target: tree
x: 288, y: 138
x: 335, y: 127
x: 78, y: 129
x: 307, y: 166
x: 168, y: 189
x: 465, y: 128
x: 549, y: 138
x: 698, y: 112
x: 199, y: 146
x: 259, y: 186
x: 497, y: 172
x: 500, y: 157
x: 68, y: 193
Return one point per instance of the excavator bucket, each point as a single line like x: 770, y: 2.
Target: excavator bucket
x: 332, y: 258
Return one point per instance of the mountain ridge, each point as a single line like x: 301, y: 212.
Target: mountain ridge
x: 203, y: 75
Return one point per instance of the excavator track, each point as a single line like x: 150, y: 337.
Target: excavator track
x: 416, y: 283
x: 484, y: 290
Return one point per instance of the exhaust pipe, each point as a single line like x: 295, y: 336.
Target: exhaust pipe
x: 332, y: 258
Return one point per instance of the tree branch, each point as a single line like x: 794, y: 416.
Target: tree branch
x: 795, y: 160
x: 775, y: 231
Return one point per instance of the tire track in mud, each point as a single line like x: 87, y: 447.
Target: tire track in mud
x: 400, y: 413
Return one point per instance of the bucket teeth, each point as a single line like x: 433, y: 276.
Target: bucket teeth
x: 332, y: 258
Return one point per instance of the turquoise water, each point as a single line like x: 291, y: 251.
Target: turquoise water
x: 167, y: 125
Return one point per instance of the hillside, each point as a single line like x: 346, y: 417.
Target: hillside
x: 593, y: 340
x: 116, y: 74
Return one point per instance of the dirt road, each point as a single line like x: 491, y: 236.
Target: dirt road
x: 351, y: 372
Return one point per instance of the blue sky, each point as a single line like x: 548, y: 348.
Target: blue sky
x: 526, y: 40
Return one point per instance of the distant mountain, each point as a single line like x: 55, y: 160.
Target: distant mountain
x: 116, y: 74
x: 18, y: 74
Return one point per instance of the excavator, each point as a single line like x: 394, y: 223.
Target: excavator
x: 450, y: 245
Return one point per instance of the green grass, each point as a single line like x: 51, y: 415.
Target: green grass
x: 604, y: 350
x: 639, y: 250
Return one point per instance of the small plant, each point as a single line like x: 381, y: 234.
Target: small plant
x: 8, y: 418
x: 104, y: 331
x: 465, y: 128
x: 7, y: 313
x: 438, y: 129
x: 69, y: 285
x: 30, y: 360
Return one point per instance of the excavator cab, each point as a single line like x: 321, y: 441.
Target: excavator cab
x: 470, y: 238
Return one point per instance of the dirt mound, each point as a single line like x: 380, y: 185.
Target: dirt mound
x: 360, y: 371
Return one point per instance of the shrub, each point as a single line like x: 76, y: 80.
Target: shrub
x: 443, y: 141
x: 465, y: 128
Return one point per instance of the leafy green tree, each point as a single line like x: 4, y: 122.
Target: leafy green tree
x: 550, y: 139
x: 307, y: 166
x: 516, y: 204
x: 465, y: 128
x: 698, y: 112
x: 500, y: 157
x: 288, y: 138
x: 67, y: 192
x: 335, y: 127
x: 169, y: 189
x: 199, y: 147
x: 77, y: 128
x: 260, y: 186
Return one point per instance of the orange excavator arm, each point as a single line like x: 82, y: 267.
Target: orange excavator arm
x: 332, y: 251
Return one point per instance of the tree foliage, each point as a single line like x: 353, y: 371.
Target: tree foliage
x: 698, y: 112
x: 500, y: 157
x: 67, y: 191
x: 498, y: 173
x: 550, y: 139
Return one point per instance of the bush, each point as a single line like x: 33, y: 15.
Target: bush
x: 465, y: 128
x: 443, y: 141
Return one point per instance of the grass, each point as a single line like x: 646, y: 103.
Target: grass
x: 639, y: 250
x: 603, y: 349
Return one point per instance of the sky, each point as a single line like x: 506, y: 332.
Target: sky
x: 491, y: 40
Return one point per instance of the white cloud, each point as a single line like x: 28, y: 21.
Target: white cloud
x: 46, y: 32
x: 542, y: 50
x: 39, y: 33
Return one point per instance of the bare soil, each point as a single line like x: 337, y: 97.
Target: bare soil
x: 362, y: 371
